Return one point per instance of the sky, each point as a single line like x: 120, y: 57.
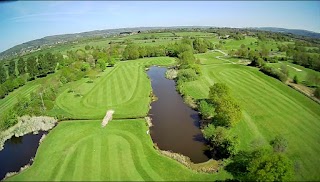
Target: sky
x: 22, y: 21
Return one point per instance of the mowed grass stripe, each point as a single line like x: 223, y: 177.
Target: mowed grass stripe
x: 96, y: 158
x: 275, y: 99
x: 266, y: 103
x: 121, y: 143
x: 105, y: 165
x: 114, y: 157
x: 270, y: 101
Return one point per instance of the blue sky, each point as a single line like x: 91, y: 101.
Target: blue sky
x: 22, y: 21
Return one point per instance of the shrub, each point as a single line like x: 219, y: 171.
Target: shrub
x: 171, y: 74
x: 317, y: 92
x: 186, y: 75
x: 295, y: 79
x: 279, y: 144
x: 274, y: 73
x: 206, y: 109
x: 222, y: 144
x: 189, y: 101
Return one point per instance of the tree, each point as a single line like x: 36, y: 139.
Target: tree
x: 207, y: 110
x: 317, y: 92
x: 279, y: 144
x: 3, y: 74
x: 199, y: 45
x: 21, y: 66
x: 51, y: 62
x: 222, y: 144
x: 186, y: 58
x: 142, y: 52
x: 258, y: 62
x: 228, y: 113
x: 295, y: 79
x: 102, y: 64
x: 131, y: 52
x: 87, y: 47
x: 266, y: 166
x: 261, y: 165
x: 218, y: 91
x: 284, y: 69
x: 43, y: 65
x: 12, y: 68
x: 32, y: 67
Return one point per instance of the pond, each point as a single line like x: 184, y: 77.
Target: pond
x: 18, y: 151
x: 175, y: 124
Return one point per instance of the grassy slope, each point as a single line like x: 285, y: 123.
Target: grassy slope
x: 125, y: 89
x: 270, y: 108
x: 120, y: 151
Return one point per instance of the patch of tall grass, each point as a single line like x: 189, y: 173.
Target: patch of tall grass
x: 27, y: 124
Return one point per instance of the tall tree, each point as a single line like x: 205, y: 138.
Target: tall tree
x: 12, y: 68
x: 51, y: 61
x: 32, y: 67
x: 3, y: 74
x: 43, y: 66
x: 21, y: 66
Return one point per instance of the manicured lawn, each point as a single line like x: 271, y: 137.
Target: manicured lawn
x: 122, y: 151
x: 124, y: 88
x: 269, y: 108
x: 210, y: 57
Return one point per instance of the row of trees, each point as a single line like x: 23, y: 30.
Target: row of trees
x: 196, y: 45
x: 309, y: 58
x: 20, y: 71
x: 224, y: 113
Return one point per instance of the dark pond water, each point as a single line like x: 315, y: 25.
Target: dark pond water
x: 18, y: 152
x: 175, y: 125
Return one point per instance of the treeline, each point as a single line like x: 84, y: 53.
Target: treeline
x: 194, y: 45
x: 309, y: 58
x: 23, y: 70
x: 80, y: 63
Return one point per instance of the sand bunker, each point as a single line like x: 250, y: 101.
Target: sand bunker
x: 107, y: 118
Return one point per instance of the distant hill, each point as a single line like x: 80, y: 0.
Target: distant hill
x: 292, y: 31
x: 48, y: 41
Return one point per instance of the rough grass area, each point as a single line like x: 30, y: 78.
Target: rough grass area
x: 124, y: 89
x: 122, y: 151
x: 270, y: 108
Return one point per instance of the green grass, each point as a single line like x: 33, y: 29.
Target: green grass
x: 124, y: 88
x: 295, y: 69
x: 122, y: 151
x: 210, y: 58
x: 269, y: 108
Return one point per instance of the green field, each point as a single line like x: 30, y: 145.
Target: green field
x: 82, y: 150
x: 124, y: 88
x: 122, y: 151
x: 209, y: 58
x: 270, y: 108
x: 294, y: 69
